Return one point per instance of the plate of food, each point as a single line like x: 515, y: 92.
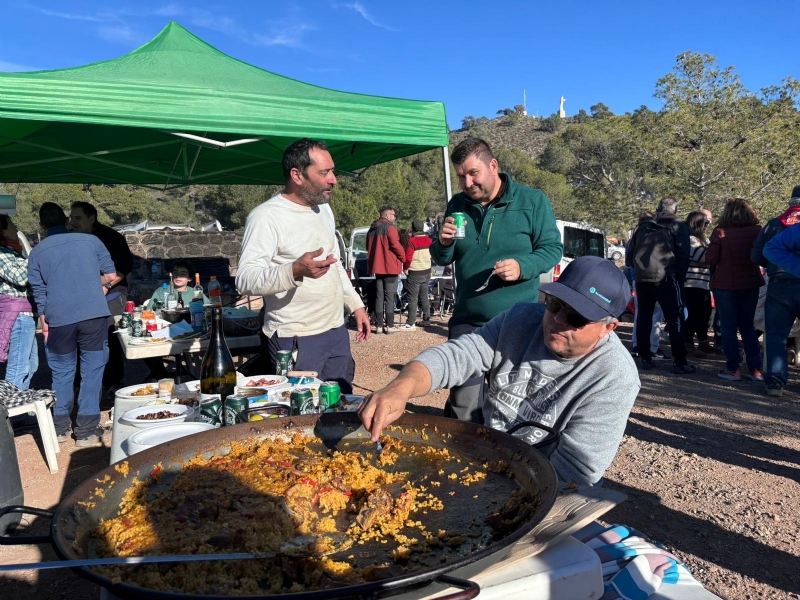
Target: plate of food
x: 141, y: 390
x: 159, y: 414
x: 263, y: 382
x: 147, y: 340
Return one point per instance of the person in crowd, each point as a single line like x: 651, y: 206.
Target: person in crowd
x: 417, y: 265
x: 18, y: 348
x: 558, y: 363
x: 715, y: 326
x: 696, y: 288
x: 83, y: 219
x: 291, y: 258
x: 182, y: 275
x: 656, y: 352
x: 659, y: 254
x: 385, y: 255
x: 782, y: 305
x: 735, y: 282
x: 67, y: 272
x: 511, y: 235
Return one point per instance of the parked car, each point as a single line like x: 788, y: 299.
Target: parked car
x: 579, y: 239
x: 615, y: 253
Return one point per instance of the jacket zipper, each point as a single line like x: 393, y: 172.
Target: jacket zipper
x: 489, y: 236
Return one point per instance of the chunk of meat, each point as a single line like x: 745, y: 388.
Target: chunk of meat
x: 378, y: 504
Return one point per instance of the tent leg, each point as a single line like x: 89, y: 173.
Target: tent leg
x: 448, y: 190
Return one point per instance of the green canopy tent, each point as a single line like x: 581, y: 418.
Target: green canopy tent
x: 177, y: 112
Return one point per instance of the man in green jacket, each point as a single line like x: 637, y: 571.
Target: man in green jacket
x: 510, y: 232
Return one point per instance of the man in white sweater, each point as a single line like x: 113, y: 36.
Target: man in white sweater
x: 557, y: 364
x: 291, y: 258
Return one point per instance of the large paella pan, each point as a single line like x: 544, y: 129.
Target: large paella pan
x: 441, y: 495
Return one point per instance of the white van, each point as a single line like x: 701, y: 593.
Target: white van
x: 579, y: 239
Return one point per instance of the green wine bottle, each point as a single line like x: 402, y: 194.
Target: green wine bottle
x: 218, y: 373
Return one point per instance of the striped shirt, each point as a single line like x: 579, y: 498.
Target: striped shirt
x: 14, y: 276
x: 699, y: 273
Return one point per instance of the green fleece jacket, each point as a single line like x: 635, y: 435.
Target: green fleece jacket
x: 519, y: 225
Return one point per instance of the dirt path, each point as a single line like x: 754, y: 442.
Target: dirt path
x: 711, y: 469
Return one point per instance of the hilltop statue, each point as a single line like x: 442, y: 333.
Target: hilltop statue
x: 561, y: 112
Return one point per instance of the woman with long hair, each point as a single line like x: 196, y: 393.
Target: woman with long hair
x: 735, y: 284
x: 695, y: 290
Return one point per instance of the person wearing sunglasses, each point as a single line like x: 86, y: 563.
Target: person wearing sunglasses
x: 558, y: 364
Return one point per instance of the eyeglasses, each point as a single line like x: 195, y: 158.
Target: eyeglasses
x: 574, y: 318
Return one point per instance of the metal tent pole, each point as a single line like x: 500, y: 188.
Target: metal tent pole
x: 446, y: 164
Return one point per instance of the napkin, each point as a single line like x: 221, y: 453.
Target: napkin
x: 179, y: 328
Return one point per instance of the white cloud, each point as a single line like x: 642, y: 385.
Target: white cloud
x: 98, y: 18
x: 121, y: 35
x: 10, y: 67
x: 289, y: 35
x: 362, y: 10
x: 169, y: 10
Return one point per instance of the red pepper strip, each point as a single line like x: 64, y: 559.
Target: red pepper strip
x: 324, y: 490
x: 155, y: 472
x: 285, y: 464
x: 308, y: 481
x: 348, y: 494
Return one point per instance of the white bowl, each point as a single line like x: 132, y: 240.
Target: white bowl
x: 192, y: 387
x: 132, y: 415
x: 242, y: 383
x: 127, y: 391
x: 147, y: 438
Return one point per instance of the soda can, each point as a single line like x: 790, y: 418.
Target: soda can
x: 125, y: 320
x: 129, y: 306
x: 137, y: 328
x: 460, y: 221
x: 284, y: 362
x: 302, y: 402
x: 234, y: 404
x: 329, y: 395
x: 211, y: 409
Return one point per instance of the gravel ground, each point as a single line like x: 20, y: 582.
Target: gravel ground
x: 711, y: 470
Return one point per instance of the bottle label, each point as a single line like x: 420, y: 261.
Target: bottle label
x: 172, y: 304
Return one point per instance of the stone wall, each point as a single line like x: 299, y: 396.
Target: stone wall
x: 214, y: 252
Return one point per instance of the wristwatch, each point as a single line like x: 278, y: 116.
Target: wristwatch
x: 108, y: 286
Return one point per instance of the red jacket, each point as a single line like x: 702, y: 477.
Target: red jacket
x: 385, y: 253
x: 419, y: 245
x: 729, y: 252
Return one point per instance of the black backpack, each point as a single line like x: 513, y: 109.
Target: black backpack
x: 654, y: 251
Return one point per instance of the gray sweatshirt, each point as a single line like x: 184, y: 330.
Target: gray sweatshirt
x: 588, y: 399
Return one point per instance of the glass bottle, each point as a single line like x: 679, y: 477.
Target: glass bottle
x: 215, y: 291
x: 198, y: 288
x: 218, y: 373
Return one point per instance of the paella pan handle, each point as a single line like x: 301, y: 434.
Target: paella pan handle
x: 469, y: 589
x: 31, y: 539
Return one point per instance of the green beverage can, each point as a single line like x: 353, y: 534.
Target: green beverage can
x: 329, y: 395
x: 460, y: 221
x: 284, y: 362
x: 302, y: 402
x: 137, y: 328
x: 235, y: 404
x: 125, y: 320
x: 211, y: 409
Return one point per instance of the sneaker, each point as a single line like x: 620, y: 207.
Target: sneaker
x: 408, y: 327
x: 95, y: 439
x: 635, y: 352
x: 659, y: 355
x: 427, y: 323
x: 647, y: 364
x: 774, y: 389
x: 686, y: 369
x: 730, y: 375
x: 757, y: 375
x: 63, y: 437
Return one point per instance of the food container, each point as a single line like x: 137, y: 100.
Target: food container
x: 176, y: 316
x: 147, y: 438
x: 237, y: 322
x: 260, y: 412
x: 135, y: 415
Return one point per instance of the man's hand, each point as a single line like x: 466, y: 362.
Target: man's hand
x: 44, y: 327
x: 382, y: 408
x: 447, y: 232
x: 507, y: 270
x: 308, y: 266
x: 362, y: 324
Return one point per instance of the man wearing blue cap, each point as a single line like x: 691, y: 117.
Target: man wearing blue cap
x: 558, y: 363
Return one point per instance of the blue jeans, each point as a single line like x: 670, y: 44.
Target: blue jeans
x: 90, y: 339
x: 23, y: 353
x: 736, y: 312
x: 780, y: 310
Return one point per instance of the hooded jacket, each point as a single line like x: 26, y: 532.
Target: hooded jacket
x: 385, y: 253
x: 659, y: 248
x: 775, y: 272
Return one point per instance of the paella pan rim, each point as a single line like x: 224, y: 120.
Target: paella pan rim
x: 470, y: 439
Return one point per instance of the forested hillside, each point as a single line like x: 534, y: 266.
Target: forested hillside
x: 712, y: 139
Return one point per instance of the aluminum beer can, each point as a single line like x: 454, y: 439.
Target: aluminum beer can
x: 125, y: 320
x: 329, y: 395
x: 137, y: 328
x: 235, y: 404
x: 129, y: 306
x: 302, y: 402
x: 460, y: 221
x: 284, y: 362
x: 211, y: 409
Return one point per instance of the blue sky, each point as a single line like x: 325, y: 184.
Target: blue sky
x: 476, y: 57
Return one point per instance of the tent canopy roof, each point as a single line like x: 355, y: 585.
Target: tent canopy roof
x: 178, y: 111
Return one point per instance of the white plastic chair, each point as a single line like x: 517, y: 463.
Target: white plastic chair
x: 46, y: 428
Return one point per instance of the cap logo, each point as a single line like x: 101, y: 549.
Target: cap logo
x: 594, y: 291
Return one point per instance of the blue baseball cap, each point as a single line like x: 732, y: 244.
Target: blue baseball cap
x: 593, y: 286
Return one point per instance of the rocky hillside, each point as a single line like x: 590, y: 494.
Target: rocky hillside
x: 515, y: 131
